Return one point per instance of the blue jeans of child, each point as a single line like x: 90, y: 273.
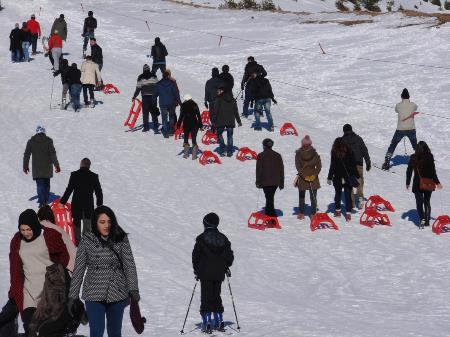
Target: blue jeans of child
x: 229, y: 146
x: 261, y: 104
x: 43, y: 190
x: 398, y: 136
x: 26, y: 53
x: 97, y: 311
x: 87, y: 37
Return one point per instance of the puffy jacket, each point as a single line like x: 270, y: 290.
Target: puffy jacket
x: 308, y: 163
x: 225, y: 111
x: 90, y: 24
x: 427, y: 170
x: 107, y: 279
x: 61, y: 26
x: 261, y: 88
x: 342, y: 168
x: 357, y: 145
x: 90, y: 73
x: 189, y: 116
x: 34, y: 27
x: 269, y: 169
x: 55, y: 42
x: 404, y: 109
x: 146, y: 83
x: 251, y: 68
x: 212, y: 255
x: 167, y: 91
x: 44, y: 155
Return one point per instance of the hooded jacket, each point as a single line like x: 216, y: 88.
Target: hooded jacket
x: 225, y: 111
x: 44, y: 156
x: 357, y: 145
x: 167, y: 91
x: 189, y: 116
x: 308, y: 163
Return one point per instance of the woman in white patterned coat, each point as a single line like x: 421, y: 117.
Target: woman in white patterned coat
x: 105, y: 256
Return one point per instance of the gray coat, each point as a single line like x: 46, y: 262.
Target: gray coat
x: 225, y: 111
x: 105, y: 279
x: 44, y: 155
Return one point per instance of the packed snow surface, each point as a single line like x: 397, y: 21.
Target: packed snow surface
x: 380, y: 282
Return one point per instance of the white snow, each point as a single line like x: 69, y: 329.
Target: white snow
x: 380, y: 282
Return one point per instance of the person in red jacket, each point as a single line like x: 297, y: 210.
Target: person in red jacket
x: 35, y: 29
x: 55, y: 48
x: 32, y: 250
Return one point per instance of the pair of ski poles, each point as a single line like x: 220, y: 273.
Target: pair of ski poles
x: 192, y: 296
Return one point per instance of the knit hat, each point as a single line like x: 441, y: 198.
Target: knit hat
x: 146, y: 67
x: 211, y: 220
x: 215, y: 72
x: 306, y: 141
x: 30, y: 218
x: 267, y: 143
x: 347, y: 128
x: 40, y: 129
x: 405, y: 94
x: 187, y: 97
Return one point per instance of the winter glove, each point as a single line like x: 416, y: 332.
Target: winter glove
x: 368, y: 167
x: 71, y: 306
x: 329, y: 181
x: 274, y: 101
x: 57, y: 169
x: 134, y: 294
x: 206, y: 104
x: 310, y: 179
x: 228, y: 272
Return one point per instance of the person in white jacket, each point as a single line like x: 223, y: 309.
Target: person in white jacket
x: 406, y: 127
x: 90, y: 78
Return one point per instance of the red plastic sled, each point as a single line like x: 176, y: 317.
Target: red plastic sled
x: 323, y: 221
x: 441, y: 224
x: 210, y: 138
x: 258, y: 220
x: 209, y: 157
x: 372, y: 217
x: 245, y: 153
x: 63, y: 218
x: 134, y: 113
x: 110, y: 89
x: 288, y: 130
x: 375, y: 201
x: 206, y: 118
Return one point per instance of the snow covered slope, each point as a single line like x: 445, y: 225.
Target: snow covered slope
x: 381, y: 282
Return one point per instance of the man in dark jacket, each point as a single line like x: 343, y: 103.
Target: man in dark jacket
x: 44, y: 156
x: 25, y: 39
x: 73, y: 77
x: 89, y: 27
x: 15, y: 45
x: 261, y: 93
x: 211, y: 258
x: 211, y: 87
x: 63, y: 68
x: 83, y: 183
x: 96, y: 53
x: 169, y: 96
x: 227, y: 78
x: 158, y: 53
x: 225, y: 114
x: 252, y: 67
x: 269, y: 174
x: 146, y: 83
x: 60, y: 25
x: 360, y: 152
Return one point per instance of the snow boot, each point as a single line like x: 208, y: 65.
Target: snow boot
x: 229, y: 154
x: 92, y: 103
x: 206, y: 323
x: 194, y: 152
x: 348, y: 217
x: 185, y: 150
x: 337, y: 213
x: 422, y: 224
x: 387, y: 162
x: 218, y: 322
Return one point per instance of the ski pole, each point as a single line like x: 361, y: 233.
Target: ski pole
x: 189, y: 307
x: 234, y: 307
x: 51, y: 95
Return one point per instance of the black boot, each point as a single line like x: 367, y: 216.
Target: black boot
x: 386, y: 164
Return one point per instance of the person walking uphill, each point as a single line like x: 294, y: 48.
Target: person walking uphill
x: 83, y: 183
x: 211, y: 259
x: 167, y: 92
x: 89, y: 27
x: 269, y: 174
x: 191, y: 121
x: 227, y: 78
x: 55, y: 48
x: 73, y: 77
x: 96, y: 53
x: 105, y: 255
x: 60, y: 25
x: 43, y: 153
x: 252, y: 67
x: 211, y: 87
x: 422, y: 164
x: 35, y: 30
x: 360, y: 152
x: 90, y: 78
x: 309, y: 165
x: 225, y: 114
x: 406, y: 127
x: 158, y: 53
x: 146, y: 83
x: 261, y: 92
x: 15, y: 45
x: 25, y: 38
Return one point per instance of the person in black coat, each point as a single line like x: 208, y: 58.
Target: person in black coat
x: 15, y: 44
x: 227, y: 78
x: 422, y: 164
x: 252, y: 67
x: 211, y: 258
x: 89, y: 27
x: 96, y: 53
x: 261, y: 95
x: 191, y: 120
x: 25, y: 40
x: 73, y: 77
x: 158, y: 53
x: 342, y: 174
x: 211, y: 87
x: 83, y: 183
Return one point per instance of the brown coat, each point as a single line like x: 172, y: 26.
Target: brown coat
x: 307, y: 162
x: 269, y: 169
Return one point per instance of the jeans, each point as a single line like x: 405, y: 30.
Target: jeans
x: 261, y: 104
x: 423, y: 204
x: 210, y: 300
x: 168, y: 119
x: 15, y: 55
x: 229, y: 146
x: 398, y: 136
x: 269, y: 193
x: 34, y: 39
x: 89, y: 87
x: 193, y: 133
x: 87, y: 36
x: 337, y: 197
x: 43, y: 190
x: 155, y: 68
x: 75, y: 90
x: 301, y: 201
x: 96, y: 312
x: 26, y: 53
x: 246, y: 100
x: 56, y: 54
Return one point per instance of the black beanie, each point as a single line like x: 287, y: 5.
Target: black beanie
x: 211, y: 220
x: 268, y: 143
x: 347, y: 128
x: 405, y: 94
x: 30, y: 218
x: 215, y: 72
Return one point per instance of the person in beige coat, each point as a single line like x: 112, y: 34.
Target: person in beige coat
x: 308, y: 164
x: 90, y: 78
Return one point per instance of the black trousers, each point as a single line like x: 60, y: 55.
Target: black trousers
x: 34, y: 38
x: 87, y: 87
x: 423, y: 204
x: 301, y: 202
x: 210, y: 297
x: 8, y: 320
x: 347, y: 197
x: 26, y: 319
x: 148, y: 108
x: 77, y: 228
x: 161, y: 67
x: 193, y: 133
x: 269, y: 192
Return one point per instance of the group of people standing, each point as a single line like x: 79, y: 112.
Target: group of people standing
x: 22, y: 39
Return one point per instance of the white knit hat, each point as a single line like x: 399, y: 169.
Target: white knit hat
x: 40, y: 129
